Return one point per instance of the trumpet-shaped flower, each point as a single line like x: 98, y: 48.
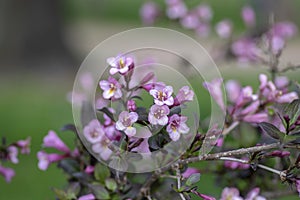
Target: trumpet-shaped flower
x: 7, y: 173
x: 158, y: 115
x: 177, y: 125
x: 126, y: 121
x: 111, y: 88
x: 46, y: 159
x: 185, y: 94
x: 163, y: 96
x: 52, y: 140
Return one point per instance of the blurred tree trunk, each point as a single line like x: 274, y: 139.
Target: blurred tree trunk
x: 31, y: 34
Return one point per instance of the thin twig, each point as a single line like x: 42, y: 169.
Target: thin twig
x: 230, y: 128
x: 178, y: 175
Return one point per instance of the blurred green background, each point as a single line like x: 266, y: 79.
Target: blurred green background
x: 42, y: 43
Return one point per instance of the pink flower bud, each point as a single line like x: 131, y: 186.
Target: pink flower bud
x: 7, y: 173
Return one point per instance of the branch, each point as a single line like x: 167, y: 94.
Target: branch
x: 217, y: 156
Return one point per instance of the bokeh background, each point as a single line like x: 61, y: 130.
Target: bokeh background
x: 42, y: 44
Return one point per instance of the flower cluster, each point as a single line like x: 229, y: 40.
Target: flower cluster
x: 9, y: 153
x: 118, y: 125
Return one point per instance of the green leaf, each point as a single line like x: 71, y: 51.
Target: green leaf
x: 272, y: 131
x: 111, y: 184
x: 101, y: 172
x: 60, y: 194
x: 194, y: 178
x: 99, y: 191
x: 74, y: 188
x: 293, y: 110
x: 70, y: 166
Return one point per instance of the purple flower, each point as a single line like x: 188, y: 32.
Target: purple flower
x: 245, y: 49
x: 46, y: 159
x: 224, y: 28
x: 203, y: 29
x: 298, y: 186
x: 254, y: 195
x: 87, y: 197
x: 278, y: 153
x: 24, y: 145
x: 231, y: 193
x: 163, y: 96
x: 281, y: 82
x: 120, y: 64
x: 204, y: 12
x: 93, y: 132
x: 177, y: 126
x: 287, y: 98
x: 102, y: 148
x: 176, y: 10
x: 158, y: 115
x: 101, y: 103
x: 149, y: 12
x: 111, y: 88
x: 112, y: 133
x: 185, y: 94
x: 190, y: 21
x: 284, y: 29
x: 256, y: 118
x: 203, y: 196
x: 235, y: 165
x: 215, y: 90
x: 13, y: 154
x: 125, y: 122
x: 155, y: 85
x: 89, y: 169
x: 248, y: 16
x: 52, y: 140
x: 131, y: 106
x: 189, y: 171
x: 7, y: 173
x: 233, y: 89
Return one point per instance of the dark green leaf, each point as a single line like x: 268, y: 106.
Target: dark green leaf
x: 137, y: 97
x: 60, y: 194
x: 142, y: 112
x: 101, y: 172
x: 108, y: 113
x: 70, y: 166
x: 194, y: 178
x: 74, y: 188
x: 272, y: 131
x: 293, y: 110
x: 175, y: 110
x: 99, y: 191
x: 69, y: 127
x: 111, y: 184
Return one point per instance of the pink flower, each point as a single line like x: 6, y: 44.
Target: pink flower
x: 254, y: 195
x: 149, y: 12
x: 131, y: 106
x: 248, y: 16
x: 176, y: 10
x: 256, y: 118
x: 278, y: 153
x: 125, y: 122
x: 189, y: 171
x: 224, y: 28
x: 158, y: 115
x: 111, y: 88
x: 177, y: 125
x: 46, y: 159
x: 204, y: 12
x: 236, y: 165
x: 87, y: 197
x: 13, y: 154
x: 190, y: 21
x: 298, y: 186
x: 7, y: 173
x: 284, y: 29
x: 245, y: 49
x: 120, y: 64
x: 215, y: 90
x: 93, y: 132
x: 287, y: 98
x: 231, y: 193
x: 155, y: 85
x: 112, y: 133
x: 233, y: 89
x: 203, y: 29
x: 101, y: 103
x: 89, y: 169
x: 102, y: 148
x: 24, y: 145
x: 163, y: 96
x: 184, y: 95
x: 52, y: 140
